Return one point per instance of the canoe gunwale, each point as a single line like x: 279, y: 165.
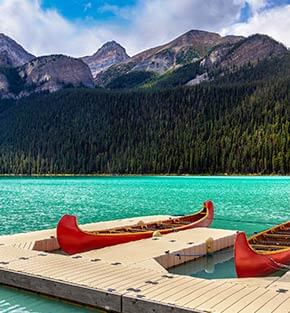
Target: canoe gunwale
x: 204, y: 211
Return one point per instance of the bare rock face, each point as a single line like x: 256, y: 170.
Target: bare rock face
x: 4, y: 85
x: 248, y: 50
x: 11, y: 53
x: 52, y: 73
x: 198, y: 79
x: 109, y: 54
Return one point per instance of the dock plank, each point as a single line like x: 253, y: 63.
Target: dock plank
x: 280, y: 305
x: 221, y: 293
x: 179, y: 287
x: 219, y: 297
x: 232, y: 299
x: 208, y: 286
x: 245, y: 301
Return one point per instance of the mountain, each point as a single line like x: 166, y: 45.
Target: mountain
x: 52, y: 73
x: 21, y: 73
x: 188, y: 48
x: 234, y: 118
x: 193, y: 58
x: 11, y: 53
x: 109, y: 54
x: 45, y: 74
x: 252, y: 49
x: 209, y: 51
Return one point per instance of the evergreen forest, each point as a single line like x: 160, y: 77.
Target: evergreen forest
x: 231, y: 126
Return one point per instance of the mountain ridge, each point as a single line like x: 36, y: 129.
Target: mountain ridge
x: 193, y: 57
x: 210, y: 49
x: 12, y: 53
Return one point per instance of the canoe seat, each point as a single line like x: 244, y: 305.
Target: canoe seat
x: 273, y: 243
x: 258, y: 247
x: 282, y: 232
x: 282, y: 236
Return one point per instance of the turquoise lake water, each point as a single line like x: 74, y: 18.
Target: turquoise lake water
x: 26, y: 204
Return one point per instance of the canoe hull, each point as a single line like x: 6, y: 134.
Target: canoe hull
x: 249, y: 263
x: 74, y: 240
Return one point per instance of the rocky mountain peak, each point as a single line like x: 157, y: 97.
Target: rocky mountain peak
x: 195, y: 34
x: 252, y: 49
x: 109, y: 54
x: 111, y: 45
x: 11, y: 53
x: 54, y: 72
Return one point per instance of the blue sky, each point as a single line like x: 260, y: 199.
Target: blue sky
x: 80, y: 27
x: 85, y: 9
x: 93, y: 9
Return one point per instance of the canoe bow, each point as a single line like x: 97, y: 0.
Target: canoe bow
x: 250, y: 263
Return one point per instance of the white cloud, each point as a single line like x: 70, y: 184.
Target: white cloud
x: 46, y: 31
x: 161, y: 20
x: 274, y: 22
x: 146, y: 24
x: 257, y: 5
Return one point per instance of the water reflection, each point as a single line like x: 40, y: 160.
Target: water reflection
x: 218, y: 265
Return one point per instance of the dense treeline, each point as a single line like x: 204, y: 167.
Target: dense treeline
x: 206, y: 129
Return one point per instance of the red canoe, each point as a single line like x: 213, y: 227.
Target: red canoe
x: 74, y: 240
x: 264, y: 253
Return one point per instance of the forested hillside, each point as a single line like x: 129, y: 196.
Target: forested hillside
x: 232, y: 128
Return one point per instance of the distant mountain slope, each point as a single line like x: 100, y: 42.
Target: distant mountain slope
x: 11, y: 53
x: 248, y: 50
x: 187, y: 48
x: 44, y: 74
x: 270, y: 69
x: 51, y: 73
x: 109, y: 54
x: 209, y: 50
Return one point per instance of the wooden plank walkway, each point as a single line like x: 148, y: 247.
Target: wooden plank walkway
x: 168, y: 251
x: 123, y: 279
x: 120, y: 288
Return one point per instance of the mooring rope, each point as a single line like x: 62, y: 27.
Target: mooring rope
x: 224, y: 251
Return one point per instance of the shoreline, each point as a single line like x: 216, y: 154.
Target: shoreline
x: 224, y: 175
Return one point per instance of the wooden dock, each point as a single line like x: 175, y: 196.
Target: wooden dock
x: 132, y: 277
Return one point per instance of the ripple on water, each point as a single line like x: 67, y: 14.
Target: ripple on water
x: 245, y: 203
